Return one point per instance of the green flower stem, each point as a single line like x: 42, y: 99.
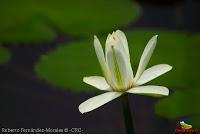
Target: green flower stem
x: 127, y: 114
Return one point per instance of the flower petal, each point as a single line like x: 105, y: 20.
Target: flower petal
x: 98, y: 82
x: 98, y: 101
x: 118, y: 62
x: 148, y: 51
x: 101, y: 58
x: 125, y: 52
x: 118, y: 68
x: 115, y: 40
x: 152, y: 73
x: 156, y: 91
x: 122, y: 37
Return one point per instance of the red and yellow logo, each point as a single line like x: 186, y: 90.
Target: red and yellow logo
x: 185, y: 125
x: 186, y: 128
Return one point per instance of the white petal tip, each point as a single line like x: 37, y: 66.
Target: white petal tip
x: 84, y: 79
x: 165, y: 93
x: 170, y: 67
x: 97, y: 82
x: 155, y: 37
x: 118, y: 30
x: 95, y: 37
x: 83, y: 108
x: 80, y: 110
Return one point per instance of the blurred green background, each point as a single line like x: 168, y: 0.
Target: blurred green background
x: 46, y: 48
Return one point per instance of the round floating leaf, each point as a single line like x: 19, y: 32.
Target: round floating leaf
x: 185, y: 103
x: 77, y: 17
x: 181, y: 104
x: 192, y: 61
x: 4, y: 55
x: 36, y: 20
x: 19, y: 23
x: 66, y: 66
x: 28, y: 32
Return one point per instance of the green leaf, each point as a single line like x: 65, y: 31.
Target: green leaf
x: 184, y: 103
x: 4, y: 55
x: 67, y: 66
x: 181, y: 104
x: 36, y: 20
x: 27, y: 33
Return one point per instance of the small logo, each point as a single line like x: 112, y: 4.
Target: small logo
x: 185, y: 125
x: 185, y: 128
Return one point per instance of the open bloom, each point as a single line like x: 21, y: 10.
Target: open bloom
x: 118, y: 75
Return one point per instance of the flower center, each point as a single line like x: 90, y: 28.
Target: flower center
x: 124, y: 89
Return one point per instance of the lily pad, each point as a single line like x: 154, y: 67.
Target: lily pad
x: 66, y: 66
x: 27, y: 33
x: 182, y: 104
x: 4, y: 55
x: 36, y: 20
x: 77, y: 17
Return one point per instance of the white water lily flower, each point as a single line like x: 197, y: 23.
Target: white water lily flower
x: 118, y: 75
